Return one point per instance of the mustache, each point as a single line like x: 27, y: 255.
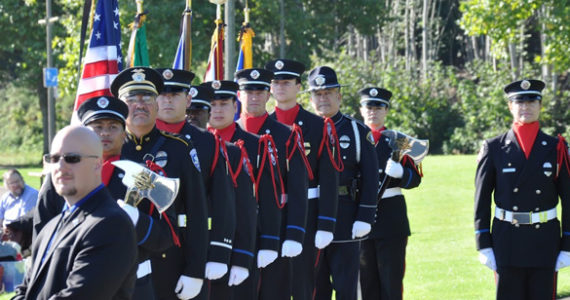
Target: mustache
x: 140, y: 110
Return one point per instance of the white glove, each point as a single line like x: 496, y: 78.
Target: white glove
x: 132, y: 211
x: 394, y: 169
x: 237, y: 275
x: 323, y: 238
x: 360, y: 229
x: 487, y: 257
x: 215, y: 270
x: 563, y: 260
x: 188, y: 287
x: 265, y: 257
x: 291, y: 248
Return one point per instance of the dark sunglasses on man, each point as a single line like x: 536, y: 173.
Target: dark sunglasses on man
x: 70, y: 158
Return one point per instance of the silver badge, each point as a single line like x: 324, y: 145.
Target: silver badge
x: 320, y: 80
x: 525, y: 84
x: 103, y: 102
x: 195, y: 160
x: 547, y: 166
x: 279, y: 65
x: 193, y: 92
x: 254, y: 74
x: 138, y: 75
x: 344, y: 141
x: 161, y: 159
x: 373, y: 92
x: 216, y: 84
x: 167, y: 74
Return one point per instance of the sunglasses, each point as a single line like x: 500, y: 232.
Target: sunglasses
x: 68, y: 158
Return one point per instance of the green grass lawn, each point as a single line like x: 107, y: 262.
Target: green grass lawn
x: 441, y: 260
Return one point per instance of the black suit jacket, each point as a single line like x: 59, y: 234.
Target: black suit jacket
x: 523, y: 185
x: 92, y: 256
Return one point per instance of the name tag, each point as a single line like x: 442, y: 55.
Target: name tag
x: 181, y: 220
x: 509, y: 170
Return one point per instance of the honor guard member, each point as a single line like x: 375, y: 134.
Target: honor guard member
x: 178, y: 271
x: 321, y: 143
x: 292, y: 185
x: 245, y: 210
x: 106, y: 117
x: 172, y: 104
x: 224, y: 107
x: 383, y: 254
x: 525, y: 171
x: 357, y: 191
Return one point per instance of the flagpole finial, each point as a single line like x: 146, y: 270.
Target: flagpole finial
x: 140, y: 6
x: 246, y: 14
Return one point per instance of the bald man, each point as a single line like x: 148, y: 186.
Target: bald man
x: 89, y: 250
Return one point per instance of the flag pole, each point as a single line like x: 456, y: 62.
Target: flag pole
x: 188, y: 37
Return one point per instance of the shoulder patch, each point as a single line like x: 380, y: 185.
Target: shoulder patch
x: 195, y: 160
x: 370, y: 138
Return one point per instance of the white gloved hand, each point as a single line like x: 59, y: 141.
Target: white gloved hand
x: 215, y: 270
x: 265, y: 257
x: 487, y: 257
x: 360, y: 229
x: 563, y: 260
x: 237, y: 275
x: 291, y: 248
x: 323, y: 238
x: 132, y: 211
x: 188, y: 287
x: 394, y: 169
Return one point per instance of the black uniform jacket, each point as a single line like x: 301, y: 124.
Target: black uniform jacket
x: 325, y: 175
x: 521, y: 185
x: 268, y: 212
x: 363, y: 206
x: 178, y: 159
x: 92, y: 256
x: 295, y: 181
x: 219, y: 191
x: 246, y: 208
x: 391, y: 214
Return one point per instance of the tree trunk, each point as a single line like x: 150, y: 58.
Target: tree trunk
x: 282, y: 28
x: 425, y: 34
x: 407, y: 34
x: 514, y: 61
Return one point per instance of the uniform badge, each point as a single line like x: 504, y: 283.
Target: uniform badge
x: 320, y: 80
x: 161, y: 158
x: 254, y: 74
x: 373, y: 92
x: 279, y: 65
x: 167, y: 74
x: 103, y: 102
x: 525, y: 84
x: 138, y: 75
x: 216, y: 84
x: 370, y: 138
x: 547, y: 166
x: 307, y: 148
x: 344, y: 141
x: 195, y: 160
x: 193, y: 92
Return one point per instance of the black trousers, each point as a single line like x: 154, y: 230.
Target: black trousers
x: 144, y: 289
x: 525, y: 283
x: 304, y: 269
x: 275, y: 280
x: 339, y: 261
x: 382, y: 267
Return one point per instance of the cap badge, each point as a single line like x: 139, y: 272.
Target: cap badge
x: 320, y: 80
x: 279, y: 65
x: 138, y: 75
x: 193, y: 92
x: 373, y: 92
x: 167, y: 74
x: 216, y: 84
x: 254, y: 74
x: 103, y: 102
x: 525, y: 84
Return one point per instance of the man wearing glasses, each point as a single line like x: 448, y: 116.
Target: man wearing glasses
x: 525, y: 172
x: 75, y: 249
x: 178, y: 271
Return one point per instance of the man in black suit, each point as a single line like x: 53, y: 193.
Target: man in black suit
x: 89, y: 251
x: 526, y: 172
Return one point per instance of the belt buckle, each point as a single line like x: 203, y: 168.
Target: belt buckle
x: 522, y: 218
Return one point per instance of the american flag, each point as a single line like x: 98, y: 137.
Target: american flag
x: 183, y: 58
x: 215, y: 68
x: 102, y: 61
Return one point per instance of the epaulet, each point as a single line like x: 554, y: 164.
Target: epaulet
x: 173, y: 136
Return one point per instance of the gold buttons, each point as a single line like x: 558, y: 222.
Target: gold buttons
x: 147, y: 139
x: 536, y: 209
x: 163, y: 255
x: 138, y: 147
